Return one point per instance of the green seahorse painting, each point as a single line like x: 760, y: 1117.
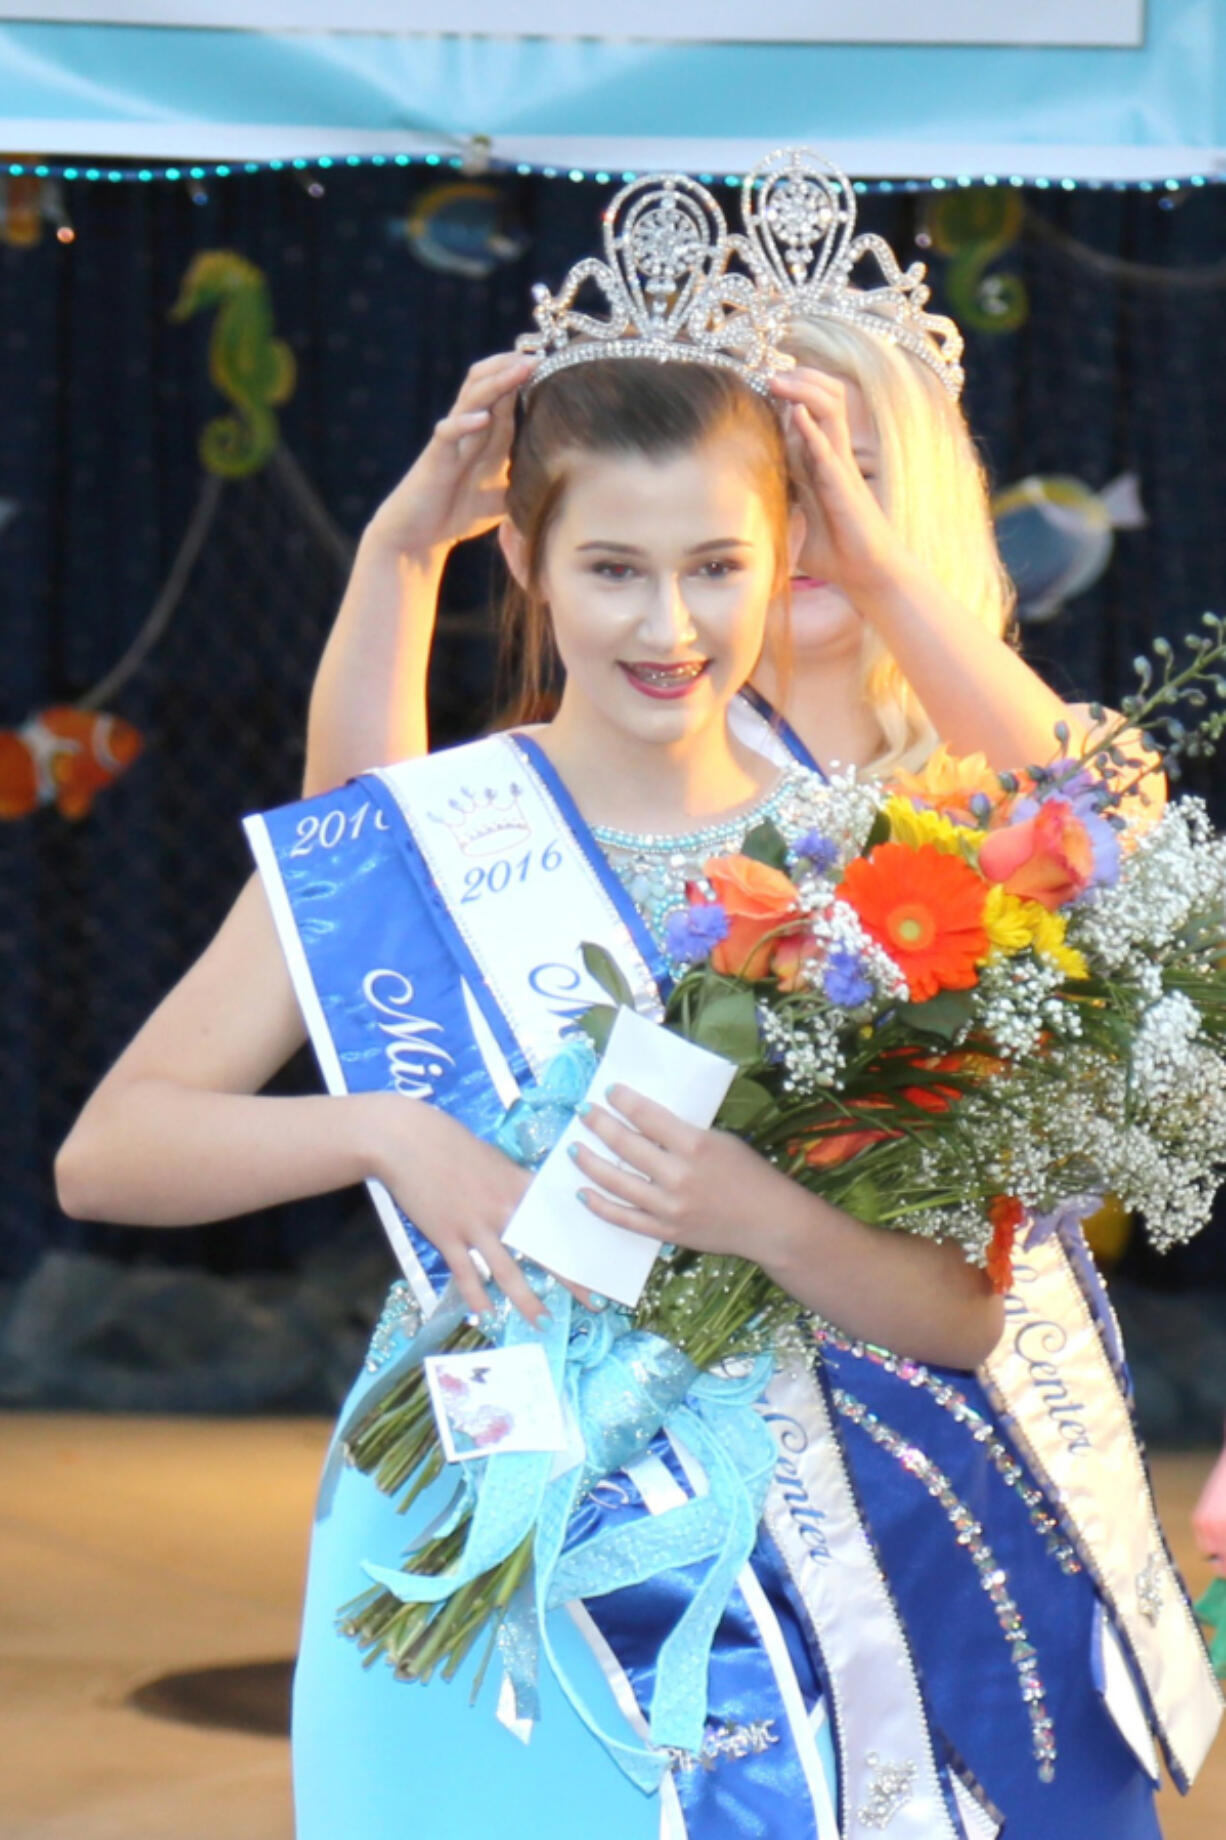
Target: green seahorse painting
x: 251, y: 367
x: 973, y: 228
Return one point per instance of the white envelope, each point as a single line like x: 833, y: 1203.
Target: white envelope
x: 551, y: 1224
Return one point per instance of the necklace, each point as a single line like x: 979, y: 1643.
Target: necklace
x: 654, y: 867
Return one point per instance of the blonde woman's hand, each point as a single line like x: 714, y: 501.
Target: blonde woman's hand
x: 850, y: 541
x: 457, y: 487
x: 1209, y: 1518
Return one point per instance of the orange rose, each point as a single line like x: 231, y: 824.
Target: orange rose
x: 790, y: 955
x: 757, y: 900
x: 1047, y: 858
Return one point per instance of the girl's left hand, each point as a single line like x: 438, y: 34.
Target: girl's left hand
x: 850, y: 540
x: 684, y: 1186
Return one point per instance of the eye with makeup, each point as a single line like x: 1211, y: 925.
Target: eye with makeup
x: 712, y: 568
x: 615, y: 572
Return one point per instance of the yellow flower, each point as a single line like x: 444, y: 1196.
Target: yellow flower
x: 1008, y: 920
x: 948, y: 782
x: 1049, y: 931
x: 1013, y: 924
x: 916, y: 828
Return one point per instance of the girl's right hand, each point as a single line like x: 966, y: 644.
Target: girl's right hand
x: 457, y: 487
x: 456, y: 1189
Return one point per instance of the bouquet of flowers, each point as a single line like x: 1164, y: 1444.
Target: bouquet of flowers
x: 959, y: 1005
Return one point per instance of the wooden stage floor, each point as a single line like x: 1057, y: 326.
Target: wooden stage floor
x: 133, y: 1547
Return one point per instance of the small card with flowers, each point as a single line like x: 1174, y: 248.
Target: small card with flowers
x: 494, y: 1401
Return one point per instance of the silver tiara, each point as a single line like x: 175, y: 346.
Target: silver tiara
x: 799, y: 213
x: 669, y: 289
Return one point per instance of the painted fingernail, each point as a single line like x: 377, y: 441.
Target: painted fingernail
x: 596, y: 1301
x: 583, y: 1108
x: 572, y: 1151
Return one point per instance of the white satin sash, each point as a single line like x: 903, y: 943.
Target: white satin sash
x: 1052, y: 1382
x: 517, y: 884
x: 887, y: 1765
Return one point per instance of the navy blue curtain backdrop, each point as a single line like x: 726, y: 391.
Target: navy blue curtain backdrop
x: 102, y: 399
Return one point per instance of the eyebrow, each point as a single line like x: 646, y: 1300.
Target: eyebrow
x: 699, y: 549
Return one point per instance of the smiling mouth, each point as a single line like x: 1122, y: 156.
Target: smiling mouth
x: 808, y: 581
x: 667, y: 680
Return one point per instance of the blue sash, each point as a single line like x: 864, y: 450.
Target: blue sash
x: 1062, y: 1394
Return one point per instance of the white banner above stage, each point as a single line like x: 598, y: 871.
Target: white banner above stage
x: 236, y: 80
x: 1102, y: 23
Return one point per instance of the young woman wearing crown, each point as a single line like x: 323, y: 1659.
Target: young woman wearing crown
x: 863, y: 1676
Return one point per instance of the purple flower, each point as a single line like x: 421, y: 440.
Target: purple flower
x: 691, y: 932
x: 844, y: 980
x: 819, y: 851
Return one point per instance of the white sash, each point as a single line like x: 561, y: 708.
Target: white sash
x: 517, y: 885
x: 888, y: 1769
x: 1052, y: 1381
x: 752, y: 728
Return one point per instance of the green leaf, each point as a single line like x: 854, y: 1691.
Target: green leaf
x: 727, y: 1023
x: 597, y: 1025
x: 765, y: 843
x: 862, y: 1199
x: 943, y: 1015
x: 880, y: 833
x: 607, y: 973
x: 746, y: 1104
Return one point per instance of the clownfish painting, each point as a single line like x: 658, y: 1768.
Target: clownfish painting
x: 63, y: 757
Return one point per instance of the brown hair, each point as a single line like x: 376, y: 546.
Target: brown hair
x: 630, y: 406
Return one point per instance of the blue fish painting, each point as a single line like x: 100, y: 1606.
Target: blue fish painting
x: 1056, y: 536
x: 463, y: 227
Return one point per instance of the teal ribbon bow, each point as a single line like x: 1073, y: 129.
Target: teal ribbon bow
x: 533, y: 1124
x: 622, y: 1385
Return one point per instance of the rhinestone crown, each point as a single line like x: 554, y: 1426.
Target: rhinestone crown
x: 670, y: 290
x: 799, y: 213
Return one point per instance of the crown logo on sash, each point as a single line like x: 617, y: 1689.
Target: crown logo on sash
x: 670, y: 292
x: 799, y: 213
x: 486, y: 823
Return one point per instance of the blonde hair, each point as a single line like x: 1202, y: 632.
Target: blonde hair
x: 934, y: 492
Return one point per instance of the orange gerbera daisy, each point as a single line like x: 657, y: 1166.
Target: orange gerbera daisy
x: 926, y: 908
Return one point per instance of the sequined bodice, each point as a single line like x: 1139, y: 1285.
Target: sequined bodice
x: 654, y: 869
